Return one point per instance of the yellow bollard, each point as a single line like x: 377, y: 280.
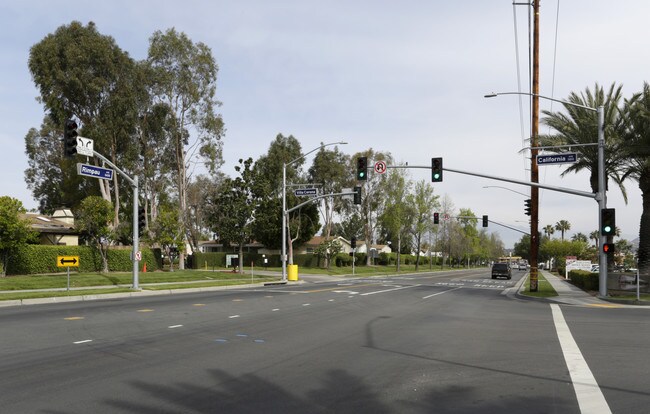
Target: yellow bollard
x: 292, y: 272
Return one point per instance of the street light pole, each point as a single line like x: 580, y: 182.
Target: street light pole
x: 284, y: 203
x: 601, y: 194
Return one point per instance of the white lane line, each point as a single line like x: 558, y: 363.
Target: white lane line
x: 306, y: 304
x: 275, y: 310
x: 590, y: 398
x: 233, y: 316
x: 440, y: 293
x: 82, y: 342
x: 174, y: 326
x: 388, y: 290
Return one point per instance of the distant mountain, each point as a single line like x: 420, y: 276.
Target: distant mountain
x: 635, y: 244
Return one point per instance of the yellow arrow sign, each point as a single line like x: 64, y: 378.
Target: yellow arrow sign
x: 67, y: 261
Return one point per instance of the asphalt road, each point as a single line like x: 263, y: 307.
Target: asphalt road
x: 449, y: 342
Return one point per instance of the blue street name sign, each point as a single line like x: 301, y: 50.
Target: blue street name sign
x: 567, y: 158
x: 306, y: 192
x: 93, y: 171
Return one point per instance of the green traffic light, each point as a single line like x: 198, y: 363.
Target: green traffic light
x: 607, y: 229
x: 436, y: 176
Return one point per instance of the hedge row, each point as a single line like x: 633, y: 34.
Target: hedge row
x: 35, y: 259
x: 208, y: 260
x: 584, y: 279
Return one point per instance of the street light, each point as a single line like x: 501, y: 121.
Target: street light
x: 601, y: 195
x: 284, y: 203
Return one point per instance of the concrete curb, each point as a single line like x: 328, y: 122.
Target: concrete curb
x: 123, y: 295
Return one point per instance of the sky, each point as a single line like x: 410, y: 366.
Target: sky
x: 405, y: 77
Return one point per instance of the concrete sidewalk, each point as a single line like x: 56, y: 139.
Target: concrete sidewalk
x: 569, y: 294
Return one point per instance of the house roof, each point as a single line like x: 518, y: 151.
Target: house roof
x: 47, y: 224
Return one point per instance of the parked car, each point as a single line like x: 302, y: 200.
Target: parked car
x: 501, y: 270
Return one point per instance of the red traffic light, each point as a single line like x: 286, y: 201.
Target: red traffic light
x: 609, y: 248
x: 436, y: 218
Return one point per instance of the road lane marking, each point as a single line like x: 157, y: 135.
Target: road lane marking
x: 233, y: 316
x: 306, y: 304
x: 174, y: 326
x: 590, y: 398
x: 74, y: 318
x: 82, y: 342
x: 145, y: 310
x: 388, y: 290
x: 275, y: 310
x: 199, y: 304
x: 440, y: 293
x: 339, y: 287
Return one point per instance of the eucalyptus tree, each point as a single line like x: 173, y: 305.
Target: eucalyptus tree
x: 52, y: 178
x: 636, y: 150
x: 329, y: 171
x: 424, y: 203
x: 580, y: 126
x: 374, y: 195
x: 83, y: 74
x: 468, y: 240
x: 562, y: 226
x: 185, y: 75
x: 397, y: 214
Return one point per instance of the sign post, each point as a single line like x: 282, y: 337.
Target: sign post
x: 67, y: 261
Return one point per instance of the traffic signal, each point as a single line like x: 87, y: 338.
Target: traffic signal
x: 609, y: 248
x: 353, y: 242
x: 357, y: 195
x: 528, y: 203
x: 485, y: 221
x: 362, y: 168
x: 436, y: 170
x: 142, y: 219
x: 69, y: 138
x: 436, y: 218
x: 608, y: 220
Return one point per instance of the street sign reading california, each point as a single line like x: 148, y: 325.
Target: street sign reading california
x: 568, y: 158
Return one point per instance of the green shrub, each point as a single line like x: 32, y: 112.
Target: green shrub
x: 37, y: 259
x: 584, y: 279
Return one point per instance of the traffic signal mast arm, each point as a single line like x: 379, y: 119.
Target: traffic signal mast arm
x: 491, y: 221
x: 509, y: 180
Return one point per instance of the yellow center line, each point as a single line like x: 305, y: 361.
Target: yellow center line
x: 145, y: 310
x: 597, y: 305
x: 74, y: 318
x: 339, y: 288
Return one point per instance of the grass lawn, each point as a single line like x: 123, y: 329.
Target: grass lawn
x: 178, y: 279
x: 544, y: 288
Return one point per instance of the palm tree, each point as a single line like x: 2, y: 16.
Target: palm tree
x: 549, y: 230
x: 580, y: 126
x: 562, y: 226
x: 579, y: 237
x: 595, y: 236
x: 636, y: 150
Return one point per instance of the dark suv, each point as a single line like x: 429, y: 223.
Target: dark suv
x: 501, y: 269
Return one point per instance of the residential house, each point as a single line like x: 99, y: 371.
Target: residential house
x: 57, y: 229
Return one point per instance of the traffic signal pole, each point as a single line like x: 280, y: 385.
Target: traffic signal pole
x: 136, y: 237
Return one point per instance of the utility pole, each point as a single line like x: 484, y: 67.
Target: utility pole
x: 534, y: 174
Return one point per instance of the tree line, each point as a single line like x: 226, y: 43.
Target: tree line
x: 157, y: 119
